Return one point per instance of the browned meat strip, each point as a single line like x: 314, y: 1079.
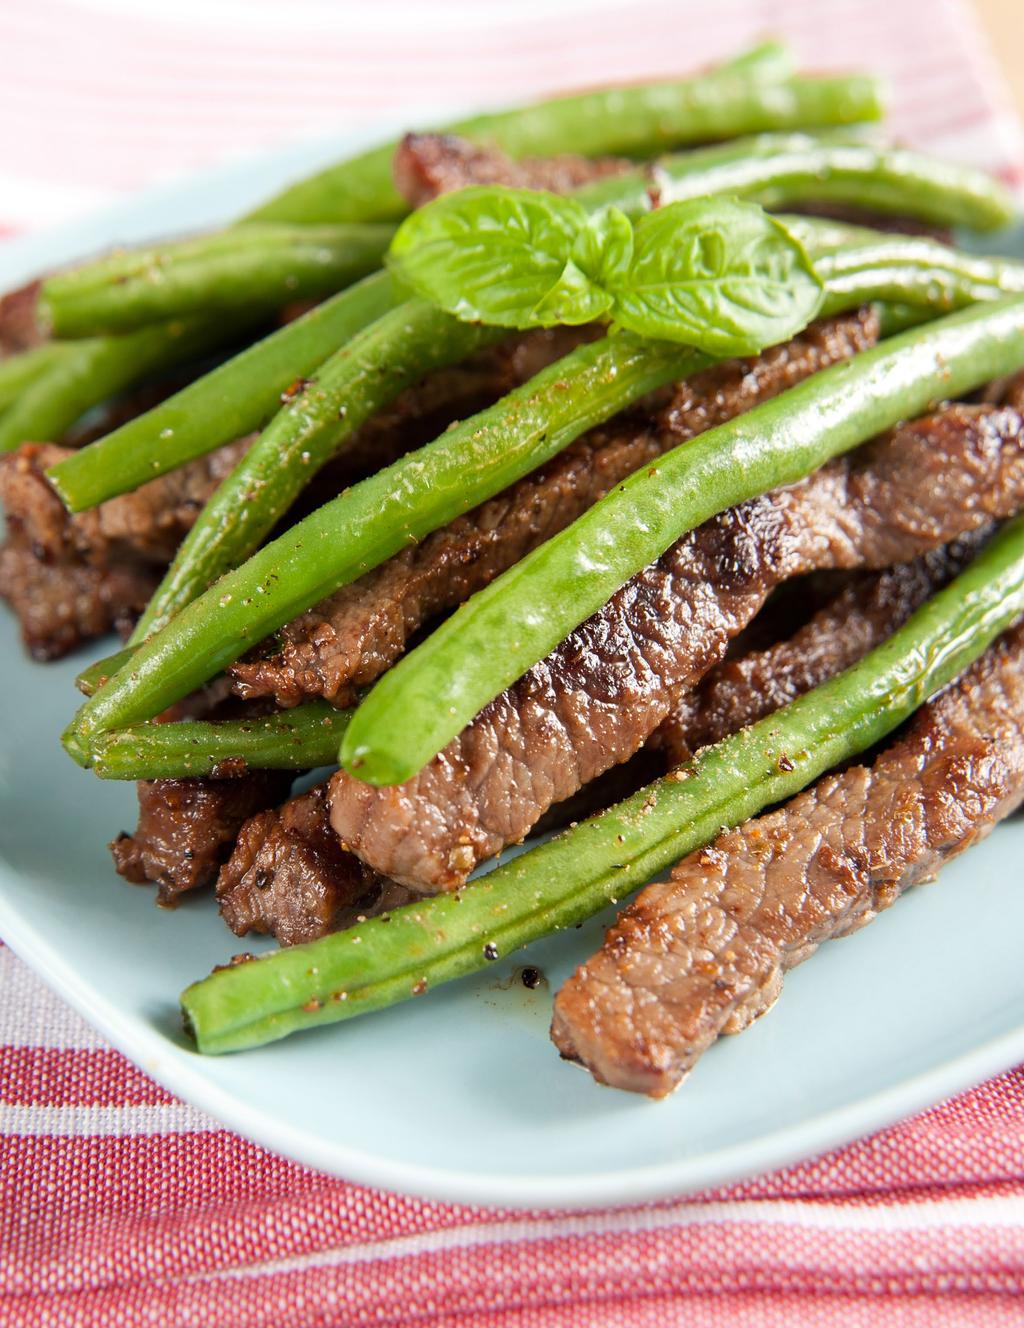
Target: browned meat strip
x: 60, y: 605
x: 597, y: 698
x: 147, y: 524
x: 288, y: 876
x: 864, y: 613
x: 426, y: 165
x: 19, y: 326
x: 70, y: 578
x: 704, y: 953
x: 351, y: 637
x: 187, y: 827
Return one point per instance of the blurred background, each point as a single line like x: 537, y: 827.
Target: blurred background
x: 101, y: 97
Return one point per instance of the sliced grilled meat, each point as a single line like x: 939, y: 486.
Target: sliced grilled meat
x: 61, y: 605
x: 704, y: 952
x: 71, y: 578
x: 19, y: 324
x: 426, y: 165
x: 352, y: 637
x: 187, y: 828
x: 599, y: 696
x: 868, y: 609
x: 289, y: 876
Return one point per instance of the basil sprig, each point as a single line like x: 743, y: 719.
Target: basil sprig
x: 714, y: 273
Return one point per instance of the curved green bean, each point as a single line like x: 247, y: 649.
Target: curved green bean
x: 365, y: 374
x: 20, y: 371
x: 94, y: 675
x: 420, y: 492
x: 90, y: 371
x: 232, y: 400
x: 637, y: 120
x: 256, y: 268
x: 780, y: 170
x: 385, y: 960
x: 299, y: 739
x: 435, y: 690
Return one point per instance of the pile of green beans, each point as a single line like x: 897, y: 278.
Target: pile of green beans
x: 435, y: 690
x: 257, y: 268
x: 384, y: 960
x: 18, y: 372
x: 227, y: 403
x: 781, y: 169
x: 473, y: 461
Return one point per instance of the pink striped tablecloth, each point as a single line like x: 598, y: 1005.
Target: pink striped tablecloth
x: 122, y: 1206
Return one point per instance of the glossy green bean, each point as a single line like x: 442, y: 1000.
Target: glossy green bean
x: 91, y: 371
x: 255, y: 268
x: 18, y: 372
x: 94, y: 675
x: 415, y: 948
x: 361, y: 528
x: 367, y: 373
x: 639, y: 120
x: 435, y: 690
x: 299, y: 739
x: 780, y: 170
x: 232, y: 400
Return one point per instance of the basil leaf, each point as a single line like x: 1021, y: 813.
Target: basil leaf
x: 604, y: 248
x: 717, y: 274
x: 501, y: 256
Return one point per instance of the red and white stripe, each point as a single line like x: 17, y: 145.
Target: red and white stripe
x: 120, y: 1205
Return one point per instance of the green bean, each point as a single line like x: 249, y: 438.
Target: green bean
x: 633, y: 120
x: 435, y: 690
x: 360, y: 378
x: 257, y: 268
x: 89, y: 371
x: 18, y: 372
x: 299, y: 739
x: 779, y: 170
x: 420, y: 492
x: 94, y: 675
x: 235, y: 398
x: 385, y: 960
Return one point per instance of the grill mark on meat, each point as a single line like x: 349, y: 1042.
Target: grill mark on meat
x: 187, y: 827
x: 426, y: 165
x: 596, y: 699
x: 289, y: 877
x: 350, y: 638
x: 704, y: 953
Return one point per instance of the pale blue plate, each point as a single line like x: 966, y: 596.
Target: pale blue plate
x: 461, y: 1095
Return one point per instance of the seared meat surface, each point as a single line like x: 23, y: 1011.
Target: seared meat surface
x: 600, y: 695
x: 71, y: 578
x: 187, y: 828
x: 289, y: 876
x: 351, y: 637
x: 427, y: 165
x: 19, y: 325
x: 704, y: 952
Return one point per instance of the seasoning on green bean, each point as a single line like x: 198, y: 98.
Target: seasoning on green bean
x: 232, y: 400
x: 780, y: 170
x: 20, y: 371
x: 90, y: 371
x: 299, y: 739
x: 419, y: 493
x: 638, y: 120
x: 412, y: 949
x: 436, y: 689
x: 258, y: 268
x: 368, y: 372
